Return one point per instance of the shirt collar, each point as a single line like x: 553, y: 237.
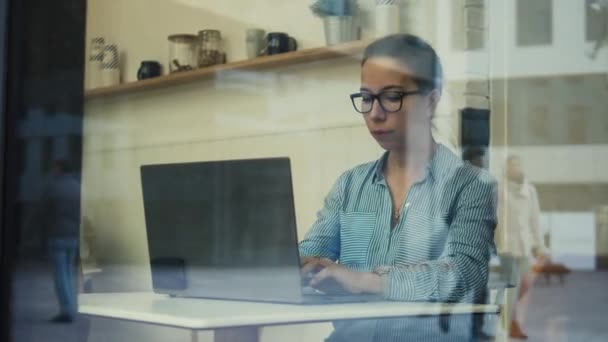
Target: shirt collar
x: 432, y: 169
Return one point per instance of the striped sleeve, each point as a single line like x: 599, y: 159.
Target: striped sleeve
x: 323, y: 238
x: 461, y: 272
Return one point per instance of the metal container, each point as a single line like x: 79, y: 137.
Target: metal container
x: 339, y: 29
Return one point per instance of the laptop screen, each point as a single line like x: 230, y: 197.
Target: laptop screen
x: 218, y: 215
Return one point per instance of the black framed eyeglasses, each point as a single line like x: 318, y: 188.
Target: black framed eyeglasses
x: 390, y: 101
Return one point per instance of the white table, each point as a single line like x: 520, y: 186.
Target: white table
x: 240, y: 321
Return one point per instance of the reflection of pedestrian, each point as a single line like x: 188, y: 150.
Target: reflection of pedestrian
x: 518, y: 236
x: 62, y: 218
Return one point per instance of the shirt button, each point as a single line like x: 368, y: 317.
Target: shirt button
x: 407, y: 205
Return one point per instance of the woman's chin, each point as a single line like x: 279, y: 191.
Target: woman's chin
x: 389, y: 145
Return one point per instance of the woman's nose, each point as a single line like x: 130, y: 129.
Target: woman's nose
x: 377, y: 113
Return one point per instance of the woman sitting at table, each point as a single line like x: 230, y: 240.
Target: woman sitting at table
x: 416, y: 224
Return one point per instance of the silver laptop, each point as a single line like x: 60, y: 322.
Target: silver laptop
x: 227, y: 230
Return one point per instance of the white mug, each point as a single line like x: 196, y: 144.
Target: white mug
x: 110, y: 58
x: 95, y: 58
x: 255, y: 41
x: 110, y: 71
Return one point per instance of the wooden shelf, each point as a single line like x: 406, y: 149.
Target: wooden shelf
x: 260, y: 63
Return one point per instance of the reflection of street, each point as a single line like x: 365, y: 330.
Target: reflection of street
x: 573, y: 312
x: 34, y: 301
x: 61, y: 219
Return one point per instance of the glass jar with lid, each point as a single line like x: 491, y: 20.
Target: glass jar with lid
x: 210, y: 51
x: 182, y: 52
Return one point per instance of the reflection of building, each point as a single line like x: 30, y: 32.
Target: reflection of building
x: 542, y: 64
x: 540, y: 67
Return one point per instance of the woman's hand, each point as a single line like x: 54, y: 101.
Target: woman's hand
x: 351, y: 281
x: 309, y: 267
x: 309, y: 264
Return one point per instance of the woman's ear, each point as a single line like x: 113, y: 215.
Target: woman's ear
x: 432, y: 100
x: 434, y: 97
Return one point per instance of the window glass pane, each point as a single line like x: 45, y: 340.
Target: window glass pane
x: 576, y: 116
x: 468, y: 24
x: 170, y: 166
x: 534, y: 22
x: 595, y: 19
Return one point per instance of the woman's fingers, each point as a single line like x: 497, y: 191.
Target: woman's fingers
x: 307, y: 265
x: 311, y: 268
x: 320, y: 276
x: 313, y: 265
x: 306, y: 260
x: 326, y: 262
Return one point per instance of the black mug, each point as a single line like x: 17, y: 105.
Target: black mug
x: 279, y: 42
x: 148, y: 69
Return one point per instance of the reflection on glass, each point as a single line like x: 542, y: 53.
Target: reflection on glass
x: 534, y: 22
x: 61, y: 214
x: 535, y: 69
x: 518, y: 236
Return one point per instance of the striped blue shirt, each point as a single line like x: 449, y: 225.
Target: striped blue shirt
x: 438, y: 251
